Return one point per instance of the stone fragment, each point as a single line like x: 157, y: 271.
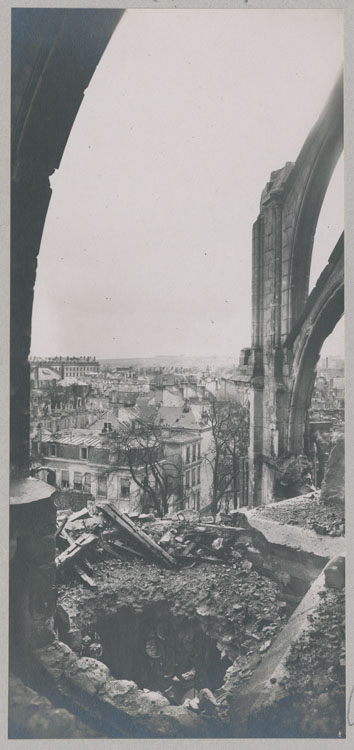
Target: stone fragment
x: 54, y: 659
x: 143, y: 702
x: 88, y: 674
x: 266, y: 645
x: 166, y: 539
x: 113, y: 691
x: 323, y: 699
x: 192, y: 704
x: 207, y: 701
x: 335, y: 573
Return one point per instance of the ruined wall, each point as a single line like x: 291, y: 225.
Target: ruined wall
x: 282, y: 248
x: 32, y: 569
x: 54, y: 55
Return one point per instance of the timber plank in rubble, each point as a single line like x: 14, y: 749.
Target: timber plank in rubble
x: 77, y: 547
x: 86, y: 579
x: 129, y: 527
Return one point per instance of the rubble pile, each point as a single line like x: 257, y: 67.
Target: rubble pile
x: 316, y: 670
x: 179, y: 607
x: 218, y: 614
x: 309, y: 512
x: 170, y: 543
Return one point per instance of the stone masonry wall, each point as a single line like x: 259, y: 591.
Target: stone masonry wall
x: 32, y: 578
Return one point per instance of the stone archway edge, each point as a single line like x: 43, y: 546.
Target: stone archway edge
x: 264, y: 690
x: 29, y: 490
x: 293, y: 537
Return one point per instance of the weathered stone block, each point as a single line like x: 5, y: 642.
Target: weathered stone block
x: 187, y: 723
x: 335, y: 573
x: 113, y: 691
x: 208, y: 702
x: 87, y: 674
x: 54, y: 659
x: 143, y: 702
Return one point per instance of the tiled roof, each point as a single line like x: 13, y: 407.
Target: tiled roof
x: 67, y: 381
x: 175, y: 416
x: 44, y: 373
x: 73, y: 437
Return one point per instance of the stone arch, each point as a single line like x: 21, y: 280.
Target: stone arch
x: 54, y: 55
x: 307, y: 356
x: 316, y: 161
x: 283, y: 236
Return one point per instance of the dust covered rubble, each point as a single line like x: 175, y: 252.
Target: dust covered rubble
x: 212, y: 584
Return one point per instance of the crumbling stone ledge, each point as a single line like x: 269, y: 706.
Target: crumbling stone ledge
x: 114, y: 708
x: 291, y: 555
x: 293, y: 537
x: 266, y: 691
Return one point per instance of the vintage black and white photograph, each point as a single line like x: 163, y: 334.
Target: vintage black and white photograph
x: 177, y: 515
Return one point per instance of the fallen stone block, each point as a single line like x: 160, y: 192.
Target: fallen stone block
x: 335, y: 573
x: 208, y: 702
x: 87, y: 674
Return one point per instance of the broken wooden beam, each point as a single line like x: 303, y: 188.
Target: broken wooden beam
x: 84, y: 577
x: 76, y: 548
x: 108, y: 548
x: 80, y: 515
x: 61, y: 526
x: 128, y: 550
x: 88, y: 568
x: 129, y: 527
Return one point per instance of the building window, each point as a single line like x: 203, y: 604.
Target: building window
x: 65, y: 479
x: 198, y: 450
x: 187, y: 479
x: 52, y: 449
x: 194, y: 451
x: 198, y: 475
x: 87, y: 482
x: 102, y: 487
x: 107, y: 426
x: 124, y: 487
x: 83, y: 453
x: 77, y: 480
x: 198, y: 500
x: 193, y: 477
x: 188, y: 455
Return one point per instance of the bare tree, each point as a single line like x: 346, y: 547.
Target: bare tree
x: 140, y: 447
x: 229, y: 422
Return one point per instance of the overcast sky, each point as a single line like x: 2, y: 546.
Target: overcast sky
x: 147, y: 244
